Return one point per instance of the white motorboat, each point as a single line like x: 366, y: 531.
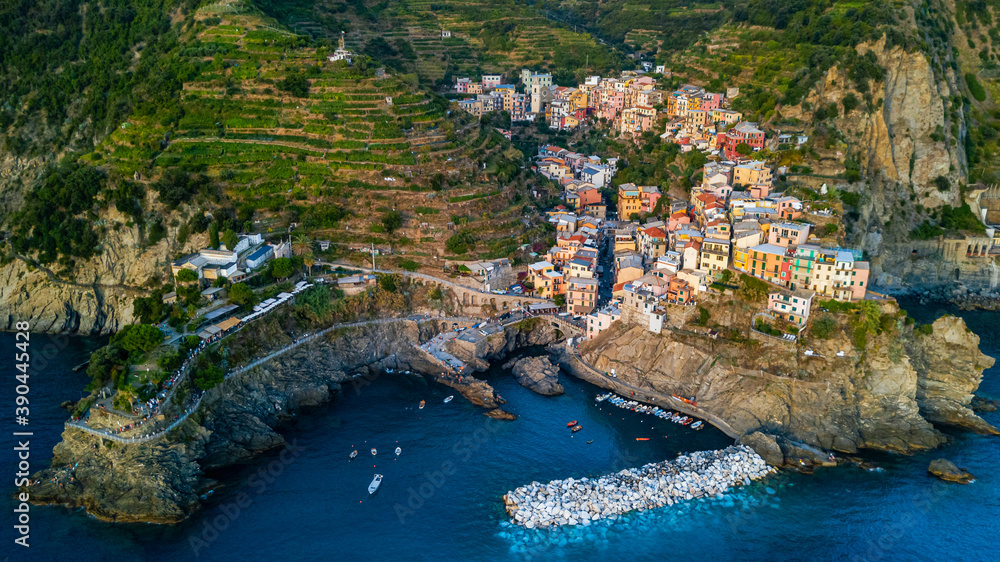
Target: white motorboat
x: 376, y: 482
x: 374, y: 452
x: 354, y: 453
x: 398, y: 451
x: 449, y: 399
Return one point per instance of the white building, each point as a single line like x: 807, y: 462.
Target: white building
x: 341, y: 53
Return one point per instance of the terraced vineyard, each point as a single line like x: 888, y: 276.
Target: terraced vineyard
x: 486, y: 37
x: 293, y: 138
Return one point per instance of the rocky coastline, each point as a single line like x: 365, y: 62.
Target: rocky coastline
x: 700, y: 474
x: 957, y: 295
x: 162, y: 481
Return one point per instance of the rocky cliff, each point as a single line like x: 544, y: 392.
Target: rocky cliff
x: 161, y: 481
x: 911, y: 136
x: 96, y: 298
x: 884, y: 398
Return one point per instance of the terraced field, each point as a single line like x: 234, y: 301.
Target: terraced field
x: 297, y: 140
x: 486, y: 37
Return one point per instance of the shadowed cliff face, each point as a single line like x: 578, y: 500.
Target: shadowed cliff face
x: 883, y: 399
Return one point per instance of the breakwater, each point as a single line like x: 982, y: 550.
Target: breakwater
x: 579, y: 502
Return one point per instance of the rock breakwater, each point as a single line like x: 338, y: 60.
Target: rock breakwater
x: 579, y: 502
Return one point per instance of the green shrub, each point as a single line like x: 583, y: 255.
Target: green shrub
x: 924, y: 330
x: 975, y: 87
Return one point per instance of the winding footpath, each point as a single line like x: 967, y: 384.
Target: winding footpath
x: 104, y: 434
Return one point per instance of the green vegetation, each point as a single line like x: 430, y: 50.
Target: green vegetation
x: 242, y: 295
x: 392, y: 221
x: 137, y: 339
x: 752, y: 289
x: 924, y: 330
x: 186, y: 276
x: 69, y: 72
x: 824, y: 327
x: 281, y: 268
x: 206, y: 377
x: 975, y: 87
x: 461, y: 242
x: 56, y: 217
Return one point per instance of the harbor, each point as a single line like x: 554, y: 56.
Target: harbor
x: 581, y: 501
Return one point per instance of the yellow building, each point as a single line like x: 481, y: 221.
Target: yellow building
x: 577, y: 100
x: 741, y: 258
x: 752, y: 173
x: 714, y: 254
x: 629, y: 200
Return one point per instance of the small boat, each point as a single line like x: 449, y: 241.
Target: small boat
x: 589, y: 442
x: 398, y: 451
x: 376, y: 482
x: 449, y: 399
x: 422, y: 404
x: 353, y: 454
x: 571, y: 424
x: 576, y: 428
x: 642, y: 438
x: 374, y: 452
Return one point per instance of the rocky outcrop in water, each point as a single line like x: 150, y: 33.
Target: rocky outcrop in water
x: 947, y: 471
x: 537, y: 374
x: 949, y: 369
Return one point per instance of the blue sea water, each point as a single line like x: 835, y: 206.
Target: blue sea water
x: 440, y: 498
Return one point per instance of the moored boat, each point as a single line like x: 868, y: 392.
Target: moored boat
x: 374, y: 452
x: 376, y: 482
x: 398, y: 451
x: 642, y: 438
x: 571, y: 424
x: 422, y: 404
x: 449, y: 399
x: 576, y: 428
x: 353, y: 454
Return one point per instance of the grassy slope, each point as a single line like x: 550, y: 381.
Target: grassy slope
x: 319, y: 161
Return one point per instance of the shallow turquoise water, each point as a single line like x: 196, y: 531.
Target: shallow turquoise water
x: 441, y: 497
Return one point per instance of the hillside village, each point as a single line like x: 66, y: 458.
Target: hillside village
x: 608, y: 265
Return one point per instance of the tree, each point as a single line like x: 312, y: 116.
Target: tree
x: 296, y: 84
x: 186, y: 276
x: 281, y: 268
x: 392, y: 221
x: 309, y: 260
x: 869, y: 314
x: 301, y: 243
x: 230, y: 239
x: 213, y: 235
x: 241, y: 294
x: 149, y: 310
x: 850, y: 102
x: 208, y: 377
x: 137, y: 339
x: 104, y: 363
x: 743, y: 149
x: 559, y: 300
